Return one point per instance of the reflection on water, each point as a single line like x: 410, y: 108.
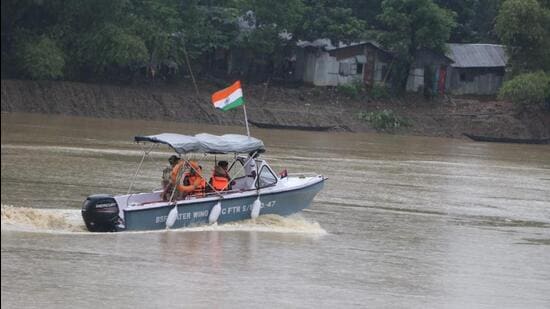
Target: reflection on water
x: 408, y: 222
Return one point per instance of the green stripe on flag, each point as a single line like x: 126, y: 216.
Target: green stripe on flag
x: 236, y: 103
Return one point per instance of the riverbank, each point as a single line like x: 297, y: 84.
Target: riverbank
x: 304, y: 107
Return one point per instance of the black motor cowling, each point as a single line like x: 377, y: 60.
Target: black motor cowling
x: 100, y: 213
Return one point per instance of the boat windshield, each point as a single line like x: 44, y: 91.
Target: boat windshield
x: 237, y: 169
x: 267, y: 178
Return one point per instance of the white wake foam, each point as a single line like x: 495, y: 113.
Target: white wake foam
x: 70, y: 221
x: 267, y: 223
x: 41, y: 220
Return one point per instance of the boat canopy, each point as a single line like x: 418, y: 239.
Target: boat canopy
x: 206, y: 143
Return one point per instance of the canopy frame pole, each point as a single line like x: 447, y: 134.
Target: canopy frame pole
x: 145, y: 154
x: 246, y: 120
x: 156, y: 146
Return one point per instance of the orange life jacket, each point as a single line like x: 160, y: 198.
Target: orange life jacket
x: 198, y: 184
x: 220, y: 183
x: 175, y: 172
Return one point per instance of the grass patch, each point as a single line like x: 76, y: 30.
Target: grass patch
x: 385, y: 119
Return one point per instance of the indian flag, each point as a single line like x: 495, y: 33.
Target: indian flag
x: 229, y: 97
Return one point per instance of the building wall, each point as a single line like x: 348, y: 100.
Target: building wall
x: 309, y: 67
x: 423, y: 59
x: 342, y: 66
x: 300, y: 64
x: 415, y: 81
x: 480, y: 81
x: 382, y: 66
x: 321, y: 69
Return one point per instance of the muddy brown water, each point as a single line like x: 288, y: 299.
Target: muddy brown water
x: 403, y: 222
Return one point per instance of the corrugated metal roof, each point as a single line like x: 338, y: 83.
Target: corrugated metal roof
x: 327, y: 45
x: 477, y: 55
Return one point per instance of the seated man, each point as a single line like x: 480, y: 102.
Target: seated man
x: 220, y: 177
x: 185, y: 183
x: 193, y: 182
x: 224, y: 164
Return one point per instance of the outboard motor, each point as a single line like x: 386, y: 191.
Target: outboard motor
x: 100, y: 213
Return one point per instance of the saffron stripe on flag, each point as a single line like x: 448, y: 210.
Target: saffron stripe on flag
x: 224, y: 93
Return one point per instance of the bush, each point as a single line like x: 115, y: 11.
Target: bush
x: 526, y: 89
x: 352, y: 90
x: 379, y: 92
x: 40, y: 58
x: 385, y: 119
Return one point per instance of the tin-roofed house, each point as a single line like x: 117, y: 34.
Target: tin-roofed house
x: 476, y: 69
x: 428, y: 72
x: 322, y: 64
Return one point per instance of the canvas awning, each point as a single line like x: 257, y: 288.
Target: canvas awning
x: 206, y: 143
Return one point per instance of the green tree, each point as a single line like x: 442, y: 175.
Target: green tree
x: 464, y: 10
x: 483, y: 22
x: 101, y: 38
x: 23, y: 23
x: 267, y: 33
x: 40, y: 58
x: 475, y: 20
x: 267, y: 21
x: 332, y: 20
x: 367, y: 11
x: 524, y: 27
x: 209, y: 25
x: 156, y: 23
x: 411, y: 25
x: 109, y: 46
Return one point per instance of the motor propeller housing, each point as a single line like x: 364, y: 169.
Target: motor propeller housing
x: 100, y: 213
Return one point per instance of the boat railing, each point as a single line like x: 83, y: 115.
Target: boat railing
x: 225, y: 192
x: 302, y: 175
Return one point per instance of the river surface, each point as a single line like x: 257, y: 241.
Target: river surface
x: 403, y: 222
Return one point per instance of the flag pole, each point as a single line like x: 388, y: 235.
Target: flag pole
x: 246, y: 120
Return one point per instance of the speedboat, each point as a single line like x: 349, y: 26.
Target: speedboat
x: 252, y: 194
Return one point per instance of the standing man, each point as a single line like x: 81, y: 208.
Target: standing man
x: 250, y: 170
x: 166, y: 174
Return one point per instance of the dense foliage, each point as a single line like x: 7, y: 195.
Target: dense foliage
x: 40, y: 58
x: 412, y: 25
x: 524, y: 27
x: 529, y: 89
x: 128, y: 39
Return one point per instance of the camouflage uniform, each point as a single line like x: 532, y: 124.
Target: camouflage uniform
x: 166, y: 185
x: 166, y: 174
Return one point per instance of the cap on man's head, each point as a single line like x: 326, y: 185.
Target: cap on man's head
x: 173, y: 159
x: 223, y: 163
